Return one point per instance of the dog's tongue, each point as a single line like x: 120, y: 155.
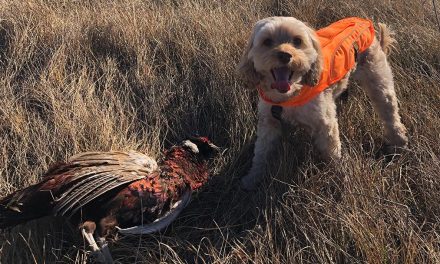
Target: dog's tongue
x: 281, y: 79
x: 282, y: 87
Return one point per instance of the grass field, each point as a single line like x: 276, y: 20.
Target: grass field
x: 98, y: 75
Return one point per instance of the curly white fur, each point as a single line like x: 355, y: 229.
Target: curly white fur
x: 319, y: 115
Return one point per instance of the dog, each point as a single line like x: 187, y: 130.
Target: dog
x: 284, y: 59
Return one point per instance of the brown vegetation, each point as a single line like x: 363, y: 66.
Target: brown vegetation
x: 98, y: 75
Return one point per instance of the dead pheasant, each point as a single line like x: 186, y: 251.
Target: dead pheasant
x: 110, y: 192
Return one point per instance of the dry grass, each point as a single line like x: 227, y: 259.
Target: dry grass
x: 98, y: 75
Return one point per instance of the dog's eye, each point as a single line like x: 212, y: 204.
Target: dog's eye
x: 297, y: 42
x: 268, y: 42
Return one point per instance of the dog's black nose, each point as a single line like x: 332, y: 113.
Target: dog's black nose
x: 284, y: 57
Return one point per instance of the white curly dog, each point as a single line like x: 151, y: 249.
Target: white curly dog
x: 282, y: 55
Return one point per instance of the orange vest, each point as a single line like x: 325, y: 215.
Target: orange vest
x: 340, y: 42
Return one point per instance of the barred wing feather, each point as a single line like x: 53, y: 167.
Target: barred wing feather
x: 95, y: 174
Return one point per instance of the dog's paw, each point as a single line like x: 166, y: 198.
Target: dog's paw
x: 392, y: 152
x: 396, y: 139
x: 393, y: 149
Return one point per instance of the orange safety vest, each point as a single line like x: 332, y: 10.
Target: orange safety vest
x: 340, y: 43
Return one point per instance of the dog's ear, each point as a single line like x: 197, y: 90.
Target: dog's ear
x: 312, y: 77
x: 246, y: 68
x: 247, y: 72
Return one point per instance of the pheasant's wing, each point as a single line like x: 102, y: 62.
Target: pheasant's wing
x: 96, y: 173
x: 69, y: 185
x: 130, y: 158
x: 164, y: 220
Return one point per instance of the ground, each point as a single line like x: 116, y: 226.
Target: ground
x: 98, y: 75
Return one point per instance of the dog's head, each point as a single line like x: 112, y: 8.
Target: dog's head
x: 281, y: 56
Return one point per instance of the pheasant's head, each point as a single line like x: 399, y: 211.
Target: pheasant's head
x: 202, y: 147
x: 201, y: 150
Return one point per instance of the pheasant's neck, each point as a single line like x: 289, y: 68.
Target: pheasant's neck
x: 180, y: 163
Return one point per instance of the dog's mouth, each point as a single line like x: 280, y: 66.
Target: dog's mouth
x: 282, y: 79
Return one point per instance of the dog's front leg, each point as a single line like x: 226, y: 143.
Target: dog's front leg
x: 268, y: 134
x: 326, y: 139
x: 319, y: 117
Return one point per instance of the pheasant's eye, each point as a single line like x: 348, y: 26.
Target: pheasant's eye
x: 268, y: 42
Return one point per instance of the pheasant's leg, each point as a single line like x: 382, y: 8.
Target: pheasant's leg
x: 87, y: 230
x: 104, y: 249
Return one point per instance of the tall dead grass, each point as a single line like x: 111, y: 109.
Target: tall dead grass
x: 99, y: 75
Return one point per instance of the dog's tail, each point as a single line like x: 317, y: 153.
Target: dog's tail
x: 386, y: 39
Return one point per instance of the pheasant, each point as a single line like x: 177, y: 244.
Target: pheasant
x: 110, y: 192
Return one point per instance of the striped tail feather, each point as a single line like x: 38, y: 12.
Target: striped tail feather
x: 10, y: 216
x: 22, y: 206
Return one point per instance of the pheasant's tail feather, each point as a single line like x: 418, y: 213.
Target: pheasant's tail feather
x: 10, y: 216
x: 6, y: 217
x: 23, y: 205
